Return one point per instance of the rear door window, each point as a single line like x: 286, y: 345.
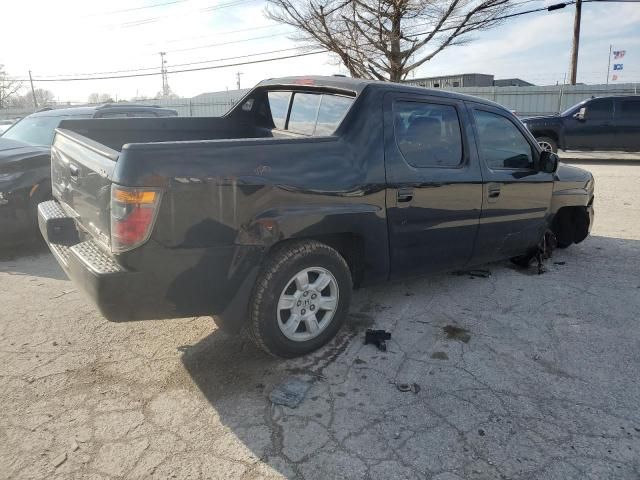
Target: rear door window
x: 428, y: 135
x: 630, y: 109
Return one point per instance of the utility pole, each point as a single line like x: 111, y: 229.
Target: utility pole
x: 163, y: 71
x: 576, y: 42
x: 33, y: 92
x: 238, y: 79
x: 609, y: 64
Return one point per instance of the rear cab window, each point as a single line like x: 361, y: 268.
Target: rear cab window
x: 279, y: 106
x: 308, y: 113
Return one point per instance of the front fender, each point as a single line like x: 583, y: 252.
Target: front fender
x: 573, y: 187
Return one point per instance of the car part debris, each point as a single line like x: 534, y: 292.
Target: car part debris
x: 290, y: 392
x: 545, y: 249
x: 474, y: 273
x: 454, y: 332
x: 378, y: 338
x: 542, y: 252
x: 559, y: 263
x: 408, y: 387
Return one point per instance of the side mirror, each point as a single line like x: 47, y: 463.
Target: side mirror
x: 580, y: 114
x: 548, y: 162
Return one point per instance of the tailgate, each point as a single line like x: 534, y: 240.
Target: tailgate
x: 81, y: 173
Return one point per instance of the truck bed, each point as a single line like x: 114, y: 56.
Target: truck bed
x: 116, y: 132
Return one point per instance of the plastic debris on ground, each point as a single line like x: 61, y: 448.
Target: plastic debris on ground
x: 378, y: 338
x: 474, y: 273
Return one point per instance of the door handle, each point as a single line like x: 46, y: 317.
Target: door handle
x: 73, y: 170
x: 404, y: 195
x: 494, y: 190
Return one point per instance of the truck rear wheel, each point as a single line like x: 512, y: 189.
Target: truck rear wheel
x: 300, y: 300
x: 548, y: 144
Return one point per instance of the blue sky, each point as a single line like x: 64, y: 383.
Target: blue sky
x: 76, y: 36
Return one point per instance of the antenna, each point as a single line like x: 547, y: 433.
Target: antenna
x: 163, y: 72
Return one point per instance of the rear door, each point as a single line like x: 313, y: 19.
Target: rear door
x: 434, y: 184
x: 516, y: 196
x: 596, y: 131
x: 627, y: 121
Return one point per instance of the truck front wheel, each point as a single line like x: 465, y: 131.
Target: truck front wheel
x: 548, y: 144
x: 300, y: 300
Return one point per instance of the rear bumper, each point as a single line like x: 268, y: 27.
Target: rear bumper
x: 111, y: 287
x: 167, y: 283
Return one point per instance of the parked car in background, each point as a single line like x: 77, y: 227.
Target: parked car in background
x: 606, y: 123
x: 5, y: 124
x: 25, y: 166
x: 266, y: 217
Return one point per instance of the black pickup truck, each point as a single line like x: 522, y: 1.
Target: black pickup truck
x: 267, y: 217
x: 606, y: 123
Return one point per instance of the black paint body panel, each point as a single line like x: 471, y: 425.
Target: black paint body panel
x: 233, y: 187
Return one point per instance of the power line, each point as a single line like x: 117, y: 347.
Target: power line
x: 200, y: 62
x: 188, y: 49
x: 133, y: 9
x: 217, y: 34
x: 212, y: 67
x: 525, y: 12
x: 220, y: 6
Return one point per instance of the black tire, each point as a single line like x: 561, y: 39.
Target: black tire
x: 283, y: 263
x: 549, y: 141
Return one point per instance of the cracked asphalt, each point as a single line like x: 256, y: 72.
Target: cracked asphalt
x: 517, y: 376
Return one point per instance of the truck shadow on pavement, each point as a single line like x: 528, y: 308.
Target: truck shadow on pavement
x: 523, y: 386
x: 31, y: 258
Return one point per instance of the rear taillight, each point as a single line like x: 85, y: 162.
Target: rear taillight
x: 133, y: 212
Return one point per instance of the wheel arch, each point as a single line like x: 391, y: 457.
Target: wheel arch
x: 350, y: 245
x: 357, y: 231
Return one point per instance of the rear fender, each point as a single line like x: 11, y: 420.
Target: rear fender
x: 364, y: 221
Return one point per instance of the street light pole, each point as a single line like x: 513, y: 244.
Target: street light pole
x: 576, y: 43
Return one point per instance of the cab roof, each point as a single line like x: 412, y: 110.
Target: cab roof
x: 358, y: 85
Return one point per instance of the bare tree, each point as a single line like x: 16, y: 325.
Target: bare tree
x: 9, y: 89
x: 100, y: 98
x: 44, y: 97
x: 386, y: 39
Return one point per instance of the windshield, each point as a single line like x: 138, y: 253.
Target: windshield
x: 37, y: 130
x: 571, y: 110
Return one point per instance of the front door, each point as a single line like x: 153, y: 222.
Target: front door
x: 627, y: 121
x: 516, y: 195
x: 434, y: 183
x: 595, y: 131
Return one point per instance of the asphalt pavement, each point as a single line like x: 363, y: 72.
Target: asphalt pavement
x: 512, y: 376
